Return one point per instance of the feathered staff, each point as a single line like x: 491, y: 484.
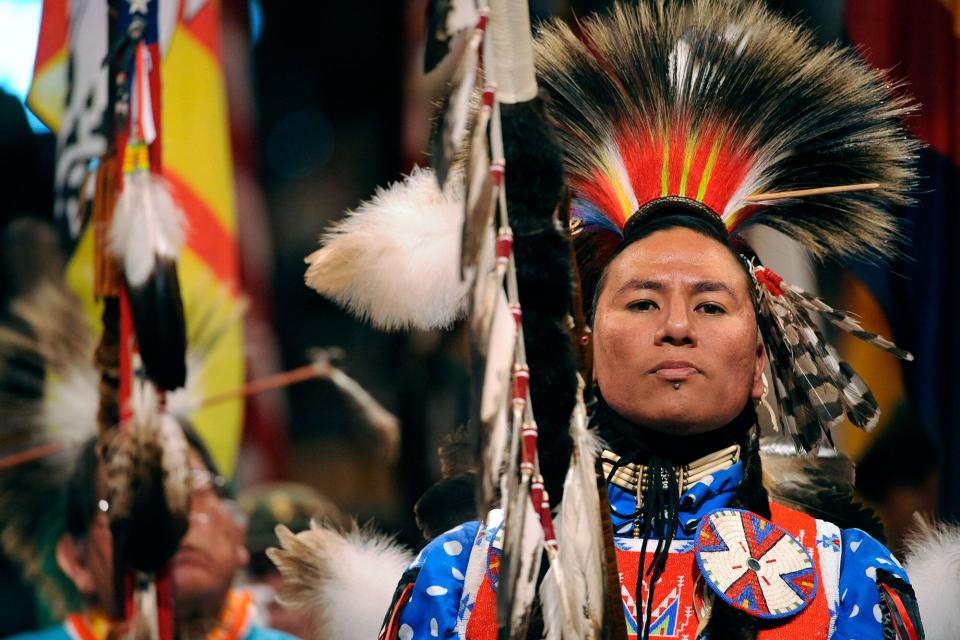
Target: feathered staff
x: 143, y: 448
x: 147, y: 230
x: 378, y: 263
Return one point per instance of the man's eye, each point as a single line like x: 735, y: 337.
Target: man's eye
x: 643, y: 305
x: 710, y: 308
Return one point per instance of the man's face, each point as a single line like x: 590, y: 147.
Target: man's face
x: 211, y: 552
x: 676, y: 309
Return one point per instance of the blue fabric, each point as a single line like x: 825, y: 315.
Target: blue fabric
x: 263, y: 633
x: 432, y: 612
x: 715, y: 491
x: 59, y: 632
x: 432, y: 609
x: 859, y: 614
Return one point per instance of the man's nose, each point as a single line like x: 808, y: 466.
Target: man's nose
x: 677, y: 326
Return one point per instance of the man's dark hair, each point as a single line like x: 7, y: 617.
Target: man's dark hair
x: 662, y: 215
x: 80, y: 493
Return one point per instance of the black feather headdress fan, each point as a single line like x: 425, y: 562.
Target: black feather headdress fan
x: 722, y: 110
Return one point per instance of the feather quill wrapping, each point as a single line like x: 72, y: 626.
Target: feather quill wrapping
x: 512, y: 51
x: 343, y: 580
x: 581, y: 551
x: 393, y: 261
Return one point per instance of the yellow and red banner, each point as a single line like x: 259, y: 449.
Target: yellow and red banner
x: 197, y: 163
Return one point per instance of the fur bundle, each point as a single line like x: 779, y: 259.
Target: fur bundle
x: 343, y: 579
x: 394, y: 260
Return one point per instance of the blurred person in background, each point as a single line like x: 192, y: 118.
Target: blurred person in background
x: 266, y: 506
x: 210, y: 555
x: 898, y: 476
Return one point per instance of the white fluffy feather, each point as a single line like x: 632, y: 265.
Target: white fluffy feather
x: 581, y: 553
x: 71, y: 402
x: 395, y: 260
x: 344, y: 580
x: 147, y: 224
x: 521, y: 561
x: 933, y: 564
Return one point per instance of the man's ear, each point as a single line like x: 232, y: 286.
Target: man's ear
x: 243, y: 556
x: 240, y: 531
x: 72, y: 562
x: 756, y: 392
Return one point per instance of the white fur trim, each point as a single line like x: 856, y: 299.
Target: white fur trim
x: 830, y: 557
x: 933, y: 564
x: 395, y: 260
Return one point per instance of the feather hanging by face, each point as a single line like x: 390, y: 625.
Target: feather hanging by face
x: 813, y: 386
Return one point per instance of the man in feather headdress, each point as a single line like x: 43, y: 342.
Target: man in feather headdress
x: 673, y: 127
x: 203, y: 569
x: 55, y: 505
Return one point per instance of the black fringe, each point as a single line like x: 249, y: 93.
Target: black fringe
x: 535, y: 189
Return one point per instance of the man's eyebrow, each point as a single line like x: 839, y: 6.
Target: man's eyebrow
x: 711, y: 286
x: 637, y: 284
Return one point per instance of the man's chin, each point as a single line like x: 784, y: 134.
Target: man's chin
x: 680, y: 419
x: 192, y: 580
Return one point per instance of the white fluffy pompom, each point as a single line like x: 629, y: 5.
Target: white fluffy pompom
x: 395, y: 259
x: 343, y: 580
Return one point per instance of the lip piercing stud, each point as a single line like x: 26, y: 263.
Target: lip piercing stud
x: 676, y: 386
